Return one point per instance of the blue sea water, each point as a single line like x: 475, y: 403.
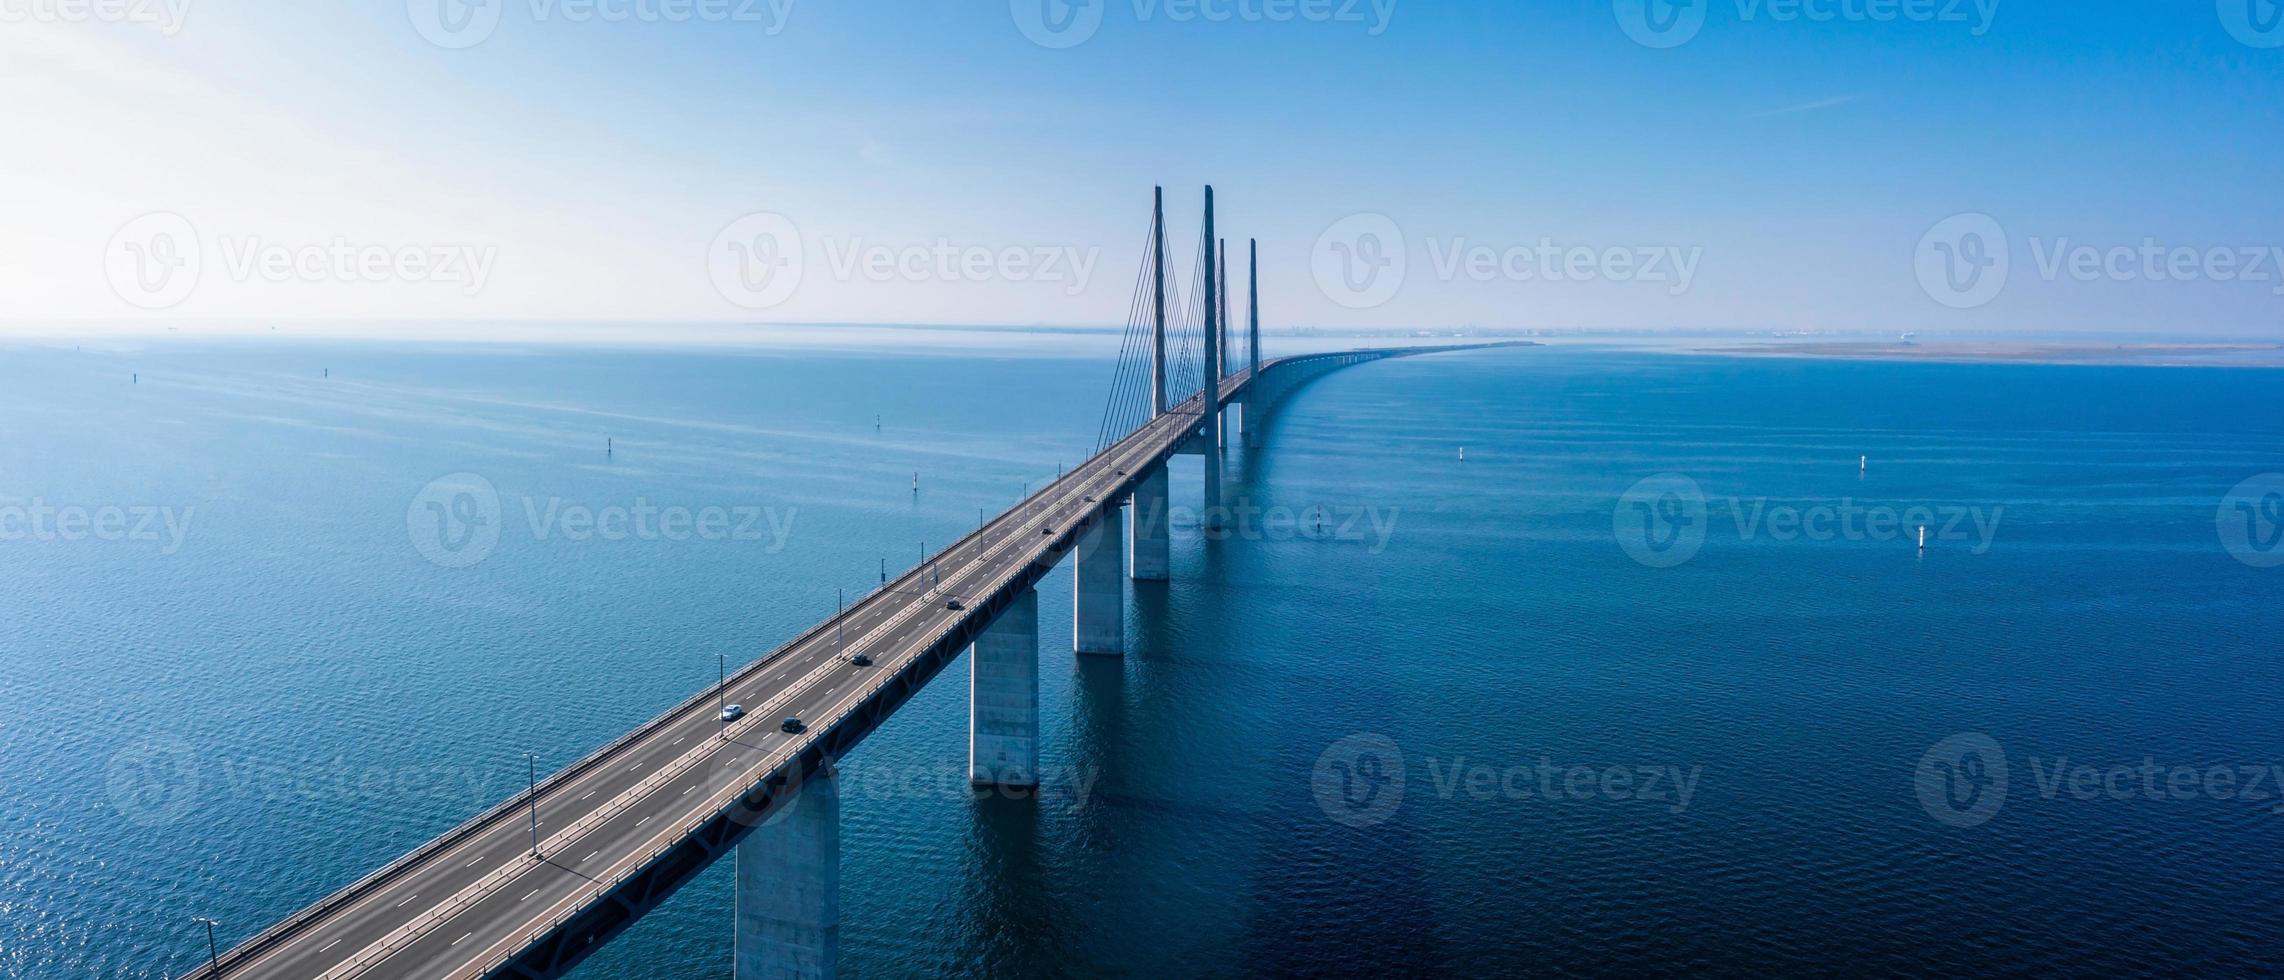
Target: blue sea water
x: 237, y: 720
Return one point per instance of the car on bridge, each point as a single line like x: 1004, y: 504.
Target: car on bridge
x: 733, y: 712
x: 793, y: 726
x: 954, y: 605
x: 861, y: 660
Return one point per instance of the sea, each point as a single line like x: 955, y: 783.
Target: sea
x: 1551, y: 660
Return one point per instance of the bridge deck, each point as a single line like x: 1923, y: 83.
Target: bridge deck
x: 622, y: 827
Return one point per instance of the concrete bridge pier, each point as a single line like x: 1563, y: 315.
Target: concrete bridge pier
x: 1003, y: 698
x: 1152, y: 544
x: 1098, y: 587
x: 788, y: 894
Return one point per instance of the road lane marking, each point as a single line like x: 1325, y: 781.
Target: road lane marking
x: 462, y: 939
x: 526, y: 897
x: 407, y: 898
x: 590, y: 856
x: 329, y: 945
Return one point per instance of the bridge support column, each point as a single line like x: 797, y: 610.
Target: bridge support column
x: 788, y: 896
x: 1152, y: 544
x: 1003, y: 698
x: 1098, y: 587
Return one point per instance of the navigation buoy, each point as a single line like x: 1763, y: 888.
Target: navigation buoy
x: 1863, y: 463
x: 876, y: 423
x: 1463, y: 454
x: 915, y: 483
x: 135, y: 379
x: 609, y: 447
x: 328, y: 372
x: 1923, y: 537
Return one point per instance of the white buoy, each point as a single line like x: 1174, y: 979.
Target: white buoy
x: 1863, y: 463
x: 1463, y: 454
x: 1923, y: 537
x: 915, y: 483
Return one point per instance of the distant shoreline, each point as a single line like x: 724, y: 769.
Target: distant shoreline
x: 2157, y: 355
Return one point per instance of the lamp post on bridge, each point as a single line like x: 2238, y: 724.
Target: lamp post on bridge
x: 213, y: 954
x: 531, y: 793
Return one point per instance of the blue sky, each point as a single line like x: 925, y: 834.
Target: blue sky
x: 1774, y: 165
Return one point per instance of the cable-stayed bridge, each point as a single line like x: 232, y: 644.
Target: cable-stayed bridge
x: 534, y: 885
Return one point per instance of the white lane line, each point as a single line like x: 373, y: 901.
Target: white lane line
x: 681, y: 740
x: 527, y: 895
x: 642, y: 821
x: 584, y: 798
x: 462, y: 939
x: 590, y: 856
x: 407, y: 898
x: 329, y: 945
x: 472, y: 864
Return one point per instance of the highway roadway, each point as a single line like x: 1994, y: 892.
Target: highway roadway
x: 468, y: 905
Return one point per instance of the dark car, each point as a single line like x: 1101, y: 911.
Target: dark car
x: 861, y: 660
x: 793, y: 726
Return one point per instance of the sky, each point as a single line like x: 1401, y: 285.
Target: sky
x: 1820, y: 165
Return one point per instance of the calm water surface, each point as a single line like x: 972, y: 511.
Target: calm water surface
x: 1606, y: 765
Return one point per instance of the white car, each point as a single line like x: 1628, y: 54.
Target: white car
x: 733, y: 712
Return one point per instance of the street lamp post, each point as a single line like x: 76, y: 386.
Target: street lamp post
x: 722, y: 697
x: 213, y: 955
x: 531, y: 792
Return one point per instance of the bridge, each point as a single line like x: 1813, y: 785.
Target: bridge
x: 534, y: 885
